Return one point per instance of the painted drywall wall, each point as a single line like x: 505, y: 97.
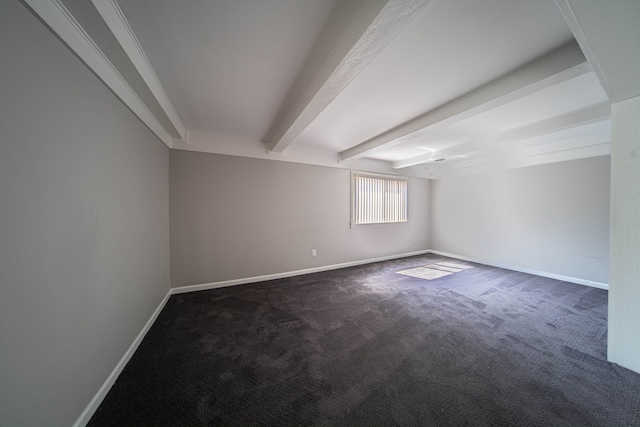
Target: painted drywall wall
x: 84, y: 220
x: 552, y: 218
x: 234, y: 218
x: 624, y: 291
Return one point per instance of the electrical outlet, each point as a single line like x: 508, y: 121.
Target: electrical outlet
x: 313, y: 252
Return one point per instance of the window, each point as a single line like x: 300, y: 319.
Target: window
x: 378, y: 199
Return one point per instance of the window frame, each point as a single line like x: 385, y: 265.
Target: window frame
x: 354, y: 198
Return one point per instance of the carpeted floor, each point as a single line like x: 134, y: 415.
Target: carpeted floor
x: 365, y: 346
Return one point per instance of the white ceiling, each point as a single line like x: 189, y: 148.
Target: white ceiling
x: 401, y: 83
x: 449, y: 49
x: 228, y: 65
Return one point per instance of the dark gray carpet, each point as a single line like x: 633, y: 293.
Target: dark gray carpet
x: 365, y: 346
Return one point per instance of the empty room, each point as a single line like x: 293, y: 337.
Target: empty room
x: 319, y: 212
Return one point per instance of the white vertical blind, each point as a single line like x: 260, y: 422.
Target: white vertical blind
x: 378, y: 200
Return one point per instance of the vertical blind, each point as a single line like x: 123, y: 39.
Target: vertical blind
x: 378, y: 200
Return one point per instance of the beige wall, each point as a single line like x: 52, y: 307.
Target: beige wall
x: 234, y: 218
x: 84, y: 224
x: 552, y: 218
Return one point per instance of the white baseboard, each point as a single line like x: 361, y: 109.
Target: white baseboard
x: 102, y: 393
x: 256, y: 279
x: 91, y: 408
x: 525, y: 270
x: 93, y: 405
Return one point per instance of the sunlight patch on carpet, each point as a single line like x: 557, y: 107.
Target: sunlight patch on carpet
x: 434, y: 271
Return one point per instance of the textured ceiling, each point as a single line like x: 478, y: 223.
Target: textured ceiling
x: 398, y: 82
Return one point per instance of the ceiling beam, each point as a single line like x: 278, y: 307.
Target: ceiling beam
x: 573, y: 119
x: 561, y: 65
x: 519, y: 153
x: 68, y: 29
x: 375, y: 26
x: 119, y: 26
x: 618, y: 73
x: 551, y: 155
